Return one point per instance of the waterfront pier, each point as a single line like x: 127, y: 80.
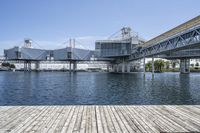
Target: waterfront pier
x: 100, y: 119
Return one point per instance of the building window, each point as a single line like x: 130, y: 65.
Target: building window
x: 18, y: 55
x: 69, y: 55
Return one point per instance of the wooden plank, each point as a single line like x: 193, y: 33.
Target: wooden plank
x: 108, y: 120
x: 175, y: 118
x: 66, y: 112
x: 163, y: 121
x: 18, y: 118
x: 113, y: 119
x: 27, y: 123
x: 103, y: 120
x: 94, y: 121
x: 195, y: 122
x: 131, y: 124
x: 57, y: 119
x: 135, y: 119
x: 52, y: 118
x: 77, y: 124
x: 93, y: 118
x: 98, y: 119
x: 10, y: 114
x: 46, y: 117
x: 120, y: 122
x: 68, y: 120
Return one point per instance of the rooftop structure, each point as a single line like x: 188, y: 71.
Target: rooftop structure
x: 121, y: 45
x: 27, y: 52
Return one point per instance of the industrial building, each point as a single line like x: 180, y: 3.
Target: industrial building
x: 120, y: 46
x: 28, y: 58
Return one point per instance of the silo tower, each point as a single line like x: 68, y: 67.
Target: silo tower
x: 28, y: 43
x: 126, y: 32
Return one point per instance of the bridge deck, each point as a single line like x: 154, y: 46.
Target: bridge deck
x: 187, y: 25
x: 99, y: 118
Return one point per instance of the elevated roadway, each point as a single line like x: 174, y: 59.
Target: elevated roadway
x: 181, y: 42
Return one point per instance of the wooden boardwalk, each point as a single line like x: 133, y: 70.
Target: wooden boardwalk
x: 93, y: 119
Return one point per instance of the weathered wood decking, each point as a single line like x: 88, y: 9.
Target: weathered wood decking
x: 94, y: 119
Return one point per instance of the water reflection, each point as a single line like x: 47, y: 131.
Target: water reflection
x: 60, y: 88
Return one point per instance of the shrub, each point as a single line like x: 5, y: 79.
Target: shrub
x: 5, y: 64
x: 12, y: 66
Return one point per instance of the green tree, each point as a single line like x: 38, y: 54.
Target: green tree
x: 148, y: 66
x: 174, y: 63
x: 12, y: 66
x: 197, y: 64
x: 159, y: 65
x: 167, y: 64
x: 5, y: 64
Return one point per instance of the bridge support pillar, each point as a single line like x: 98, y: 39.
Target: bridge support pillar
x: 128, y: 67
x: 37, y: 65
x: 74, y: 66
x: 185, y: 66
x: 144, y: 65
x: 123, y: 67
x: 152, y: 65
x: 112, y: 68
x: 108, y: 68
x: 27, y: 65
x: 117, y: 68
x: 70, y: 66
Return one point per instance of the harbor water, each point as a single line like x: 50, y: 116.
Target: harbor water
x: 98, y: 88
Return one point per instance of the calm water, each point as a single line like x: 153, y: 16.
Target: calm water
x: 62, y: 88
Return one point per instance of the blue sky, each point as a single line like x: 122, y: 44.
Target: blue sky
x: 52, y: 22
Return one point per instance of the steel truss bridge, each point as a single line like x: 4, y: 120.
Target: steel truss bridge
x: 184, y: 44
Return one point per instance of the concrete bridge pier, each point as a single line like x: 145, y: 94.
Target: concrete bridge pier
x: 27, y: 65
x: 70, y: 66
x: 115, y: 68
x: 37, y: 65
x: 110, y: 68
x: 185, y: 66
x: 144, y: 66
x: 74, y: 64
x: 128, y: 67
x: 118, y: 66
x: 123, y: 67
x: 153, y: 65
